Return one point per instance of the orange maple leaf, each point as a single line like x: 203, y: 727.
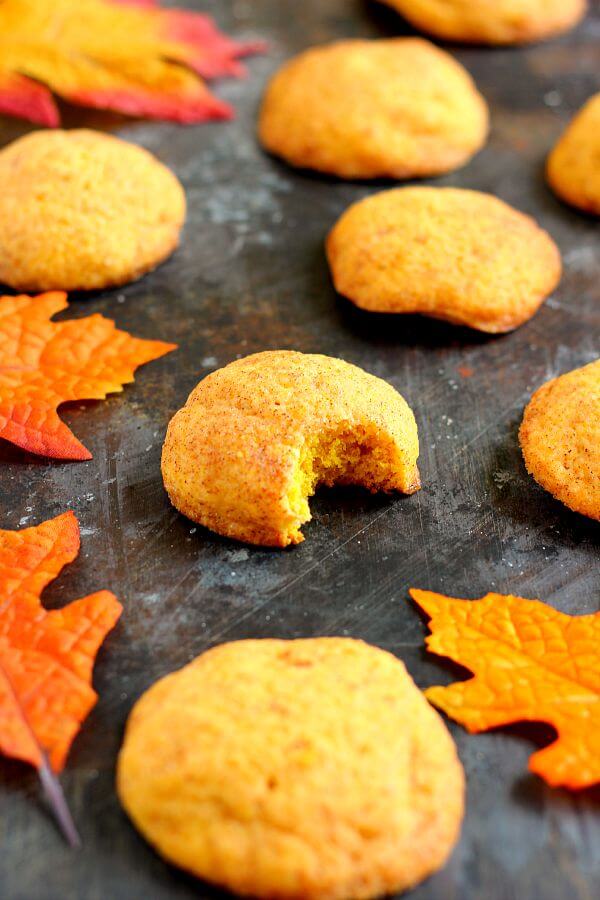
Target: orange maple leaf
x: 46, y: 658
x: 530, y: 663
x: 130, y: 56
x: 44, y: 364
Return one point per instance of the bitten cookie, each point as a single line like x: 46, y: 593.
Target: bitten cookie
x: 255, y: 439
x: 366, y: 109
x: 573, y: 168
x: 492, y: 21
x: 309, y: 769
x: 560, y: 438
x: 454, y: 254
x: 81, y: 210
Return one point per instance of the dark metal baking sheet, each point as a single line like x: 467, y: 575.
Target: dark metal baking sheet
x: 251, y: 275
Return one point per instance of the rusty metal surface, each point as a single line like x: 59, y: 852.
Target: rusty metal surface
x: 251, y: 275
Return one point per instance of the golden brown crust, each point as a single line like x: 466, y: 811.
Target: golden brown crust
x: 256, y: 437
x: 397, y: 108
x: 492, y: 21
x: 299, y: 770
x: 81, y: 210
x: 573, y: 168
x: 560, y: 438
x: 454, y: 254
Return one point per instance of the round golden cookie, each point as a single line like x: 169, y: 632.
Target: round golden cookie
x: 560, y: 438
x: 492, y: 21
x: 454, y: 254
x: 81, y: 210
x: 573, y: 168
x: 255, y: 439
x: 397, y: 108
x: 310, y: 769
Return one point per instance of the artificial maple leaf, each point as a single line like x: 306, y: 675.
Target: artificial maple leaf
x: 530, y: 663
x: 44, y: 364
x: 46, y: 658
x: 129, y: 56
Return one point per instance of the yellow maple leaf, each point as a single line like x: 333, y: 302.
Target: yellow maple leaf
x: 530, y: 663
x: 130, y: 56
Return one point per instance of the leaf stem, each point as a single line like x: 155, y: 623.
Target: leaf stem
x: 50, y: 783
x: 56, y: 799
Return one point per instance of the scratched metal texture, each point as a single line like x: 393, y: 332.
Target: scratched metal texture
x: 250, y: 275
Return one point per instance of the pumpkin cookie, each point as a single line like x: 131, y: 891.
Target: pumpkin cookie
x: 367, y: 109
x: 492, y: 21
x: 256, y: 438
x: 81, y: 210
x: 560, y: 438
x: 454, y: 254
x: 573, y: 168
x: 309, y: 769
